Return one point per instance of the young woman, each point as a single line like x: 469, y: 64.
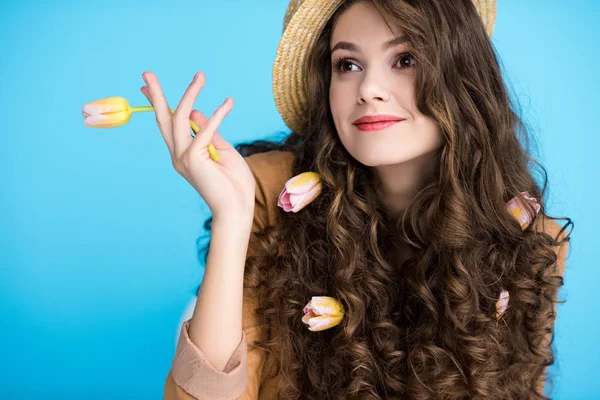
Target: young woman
x: 421, y: 220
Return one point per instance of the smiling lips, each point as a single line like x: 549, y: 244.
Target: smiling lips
x: 370, y: 123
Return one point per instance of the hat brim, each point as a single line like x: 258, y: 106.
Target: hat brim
x: 298, y: 38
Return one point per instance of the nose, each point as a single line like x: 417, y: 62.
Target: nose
x: 372, y: 88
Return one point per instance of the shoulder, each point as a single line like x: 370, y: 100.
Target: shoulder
x: 271, y: 170
x: 271, y: 166
x: 556, y: 232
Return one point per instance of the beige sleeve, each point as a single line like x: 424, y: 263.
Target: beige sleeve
x: 191, y: 375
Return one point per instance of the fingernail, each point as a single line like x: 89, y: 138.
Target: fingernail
x: 195, y: 77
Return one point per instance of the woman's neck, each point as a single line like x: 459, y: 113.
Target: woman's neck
x: 399, y: 183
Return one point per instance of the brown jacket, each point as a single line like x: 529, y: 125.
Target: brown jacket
x: 191, y: 375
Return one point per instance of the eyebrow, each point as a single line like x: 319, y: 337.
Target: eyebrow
x: 352, y: 47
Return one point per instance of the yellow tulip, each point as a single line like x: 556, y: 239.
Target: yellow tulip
x: 322, y: 312
x: 107, y: 113
x: 115, y: 111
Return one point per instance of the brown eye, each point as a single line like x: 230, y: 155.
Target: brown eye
x: 405, y: 61
x: 341, y: 64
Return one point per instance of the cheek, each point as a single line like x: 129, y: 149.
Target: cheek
x: 333, y: 102
x: 432, y: 134
x: 339, y: 102
x: 429, y: 125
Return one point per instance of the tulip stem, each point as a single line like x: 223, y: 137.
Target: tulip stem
x: 141, y: 109
x: 211, y: 149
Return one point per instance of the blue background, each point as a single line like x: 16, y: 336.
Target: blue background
x: 97, y: 230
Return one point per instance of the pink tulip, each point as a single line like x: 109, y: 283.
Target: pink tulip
x: 322, y: 312
x: 518, y: 210
x: 300, y: 191
x: 502, y: 303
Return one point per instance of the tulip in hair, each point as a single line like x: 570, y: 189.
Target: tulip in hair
x: 502, y: 303
x: 518, y: 210
x: 322, y: 312
x: 300, y: 191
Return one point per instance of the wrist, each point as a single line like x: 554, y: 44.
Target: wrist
x: 235, y: 219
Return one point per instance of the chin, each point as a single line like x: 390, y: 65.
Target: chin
x: 374, y: 149
x: 373, y: 158
x: 384, y: 151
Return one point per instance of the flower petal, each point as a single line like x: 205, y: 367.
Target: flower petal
x: 284, y: 201
x: 532, y: 201
x: 519, y: 211
x: 299, y: 201
x: 322, y: 312
x: 109, y: 120
x: 107, y: 105
x: 325, y: 305
x: 323, y: 322
x: 300, y: 191
x: 303, y: 182
x: 308, y: 306
x: 502, y: 303
x: 310, y: 314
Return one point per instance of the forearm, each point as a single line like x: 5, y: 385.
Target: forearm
x: 216, y: 325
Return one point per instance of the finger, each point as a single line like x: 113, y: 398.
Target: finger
x: 217, y: 140
x: 168, y: 138
x: 198, y: 117
x: 207, y: 131
x: 181, y: 116
x: 160, y: 105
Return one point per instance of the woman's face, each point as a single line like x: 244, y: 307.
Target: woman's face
x: 370, y: 78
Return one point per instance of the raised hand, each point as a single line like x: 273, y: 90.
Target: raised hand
x: 226, y: 186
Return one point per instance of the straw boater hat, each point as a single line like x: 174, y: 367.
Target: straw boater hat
x: 303, y: 22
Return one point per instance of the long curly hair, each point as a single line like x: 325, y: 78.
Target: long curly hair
x: 419, y: 290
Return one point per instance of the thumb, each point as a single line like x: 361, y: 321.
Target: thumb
x: 144, y: 90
